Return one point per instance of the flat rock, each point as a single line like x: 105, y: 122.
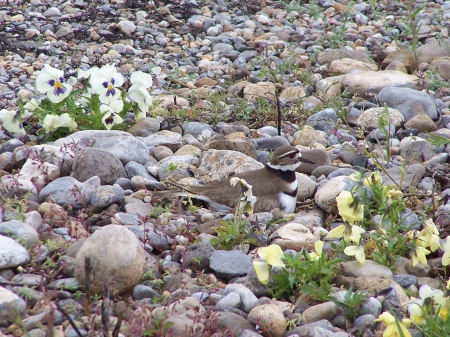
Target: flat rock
x: 12, y: 254
x: 230, y: 264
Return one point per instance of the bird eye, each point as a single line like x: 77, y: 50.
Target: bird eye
x: 292, y: 155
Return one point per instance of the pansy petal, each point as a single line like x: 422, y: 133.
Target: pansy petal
x: 116, y: 106
x: 43, y: 82
x: 318, y: 247
x: 59, y: 94
x: 139, y: 77
x: 386, y: 318
x: 336, y: 233
x: 262, y: 271
x: 274, y: 254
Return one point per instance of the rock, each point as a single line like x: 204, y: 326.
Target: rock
x: 293, y: 93
x: 59, y: 155
x: 216, y: 165
x: 151, y: 236
x: 197, y: 257
x: 247, y: 299
x: 346, y: 65
x: 133, y: 169
x: 120, y: 144
x: 20, y: 232
x: 247, y: 148
x: 306, y: 186
x: 409, y: 102
x: 427, y: 52
x: 196, y: 129
x: 324, y: 120
x: 144, y: 127
x: 93, y: 162
x: 11, y: 305
x: 368, y: 269
x: 326, y: 310
x: 104, y: 196
x: 161, y: 152
x: 56, y: 191
x: 372, y: 82
x: 416, y: 149
x: 308, y: 135
x: 230, y: 264
x: 369, y: 118
x: 293, y: 236
x: 395, y: 175
x: 235, y: 323
x: 269, y: 318
x: 422, y: 123
x: 157, y: 139
x: 259, y: 91
x: 271, y: 143
x: 40, y: 173
x: 404, y: 56
x: 327, y: 57
x: 12, y: 254
x: 326, y: 195
x: 116, y: 259
x: 231, y: 300
x: 309, y: 329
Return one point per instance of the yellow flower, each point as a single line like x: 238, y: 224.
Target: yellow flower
x: 430, y: 235
x: 349, y: 209
x: 446, y: 256
x: 394, y: 194
x: 318, y: 246
x: 356, y: 234
x: 357, y: 251
x: 272, y: 256
x: 373, y: 179
x: 337, y: 232
x: 419, y: 256
x: 392, y: 328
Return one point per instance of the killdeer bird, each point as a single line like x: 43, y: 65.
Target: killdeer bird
x: 274, y: 186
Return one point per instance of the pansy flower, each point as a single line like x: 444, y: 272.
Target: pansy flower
x: 393, y: 328
x: 11, y: 121
x: 108, y: 83
x: 54, y: 122
x: 111, y: 113
x: 51, y: 81
x: 349, y: 209
x: 272, y: 256
x: 140, y: 95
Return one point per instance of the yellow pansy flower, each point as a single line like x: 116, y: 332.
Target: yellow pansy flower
x: 349, y: 209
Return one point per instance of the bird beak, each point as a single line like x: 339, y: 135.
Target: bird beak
x: 306, y: 160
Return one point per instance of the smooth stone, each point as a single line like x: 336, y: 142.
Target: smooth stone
x: 326, y: 195
x: 414, y: 173
x: 271, y: 143
x: 12, y: 254
x: 104, y: 196
x: 230, y: 264
x: 368, y: 269
x: 133, y: 169
x: 197, y: 257
x: 324, y: 120
x: 270, y: 318
x: 11, y: 305
x: 247, y: 299
x: 294, y: 236
x: 326, y: 310
x: 21, y: 232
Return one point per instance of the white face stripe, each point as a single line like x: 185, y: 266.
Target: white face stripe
x: 290, y: 167
x: 288, y: 202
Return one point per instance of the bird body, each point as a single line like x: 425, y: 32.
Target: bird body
x: 274, y: 186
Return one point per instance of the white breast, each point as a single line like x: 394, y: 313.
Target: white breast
x: 288, y: 203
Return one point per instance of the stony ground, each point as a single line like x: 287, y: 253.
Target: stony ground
x: 224, y: 74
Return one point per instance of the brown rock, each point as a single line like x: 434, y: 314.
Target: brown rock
x: 247, y: 148
x: 326, y: 310
x: 403, y: 56
x: 205, y: 81
x: 116, y: 259
x: 269, y: 318
x: 423, y: 123
x: 346, y: 65
x: 330, y: 55
x: 264, y: 90
x: 429, y: 51
x: 293, y: 93
x: 442, y: 66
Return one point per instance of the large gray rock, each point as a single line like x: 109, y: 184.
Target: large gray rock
x: 11, y: 305
x: 69, y: 191
x: 116, y: 259
x: 93, y: 162
x: 121, y: 144
x: 372, y: 82
x: 324, y: 120
x: 230, y: 264
x: 12, y: 254
x: 414, y: 173
x: 216, y: 165
x: 21, y: 232
x: 409, y: 102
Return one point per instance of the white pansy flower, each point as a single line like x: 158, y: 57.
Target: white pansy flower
x: 51, y: 81
x: 11, y: 121
x: 107, y: 84
x: 111, y: 113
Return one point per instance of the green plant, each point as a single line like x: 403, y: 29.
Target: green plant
x: 159, y: 210
x: 18, y: 206
x: 302, y: 274
x: 234, y: 232
x: 352, y: 303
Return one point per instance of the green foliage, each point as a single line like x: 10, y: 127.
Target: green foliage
x: 231, y: 233
x: 352, y: 303
x: 305, y: 275
x: 159, y: 210
x: 15, y: 204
